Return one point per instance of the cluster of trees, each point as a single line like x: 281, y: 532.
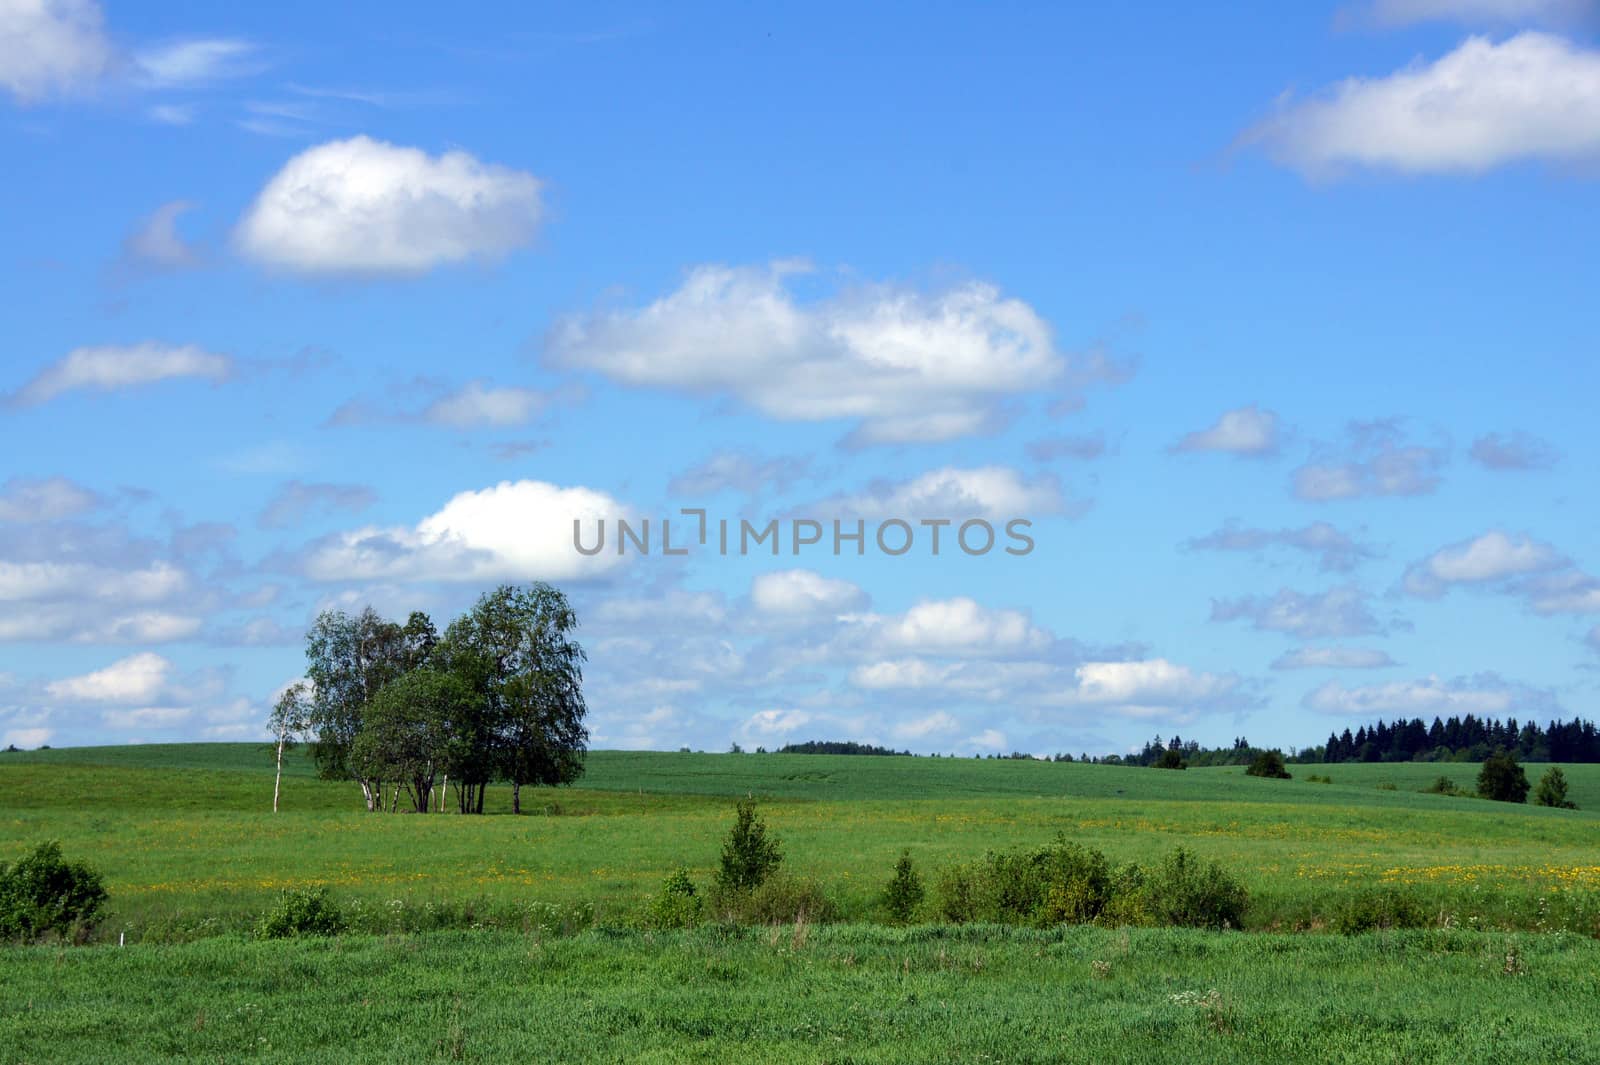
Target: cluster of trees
x: 1465, y: 739
x: 838, y: 747
x: 397, y: 708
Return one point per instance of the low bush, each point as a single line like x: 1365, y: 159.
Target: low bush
x: 1187, y: 892
x: 43, y: 893
x: 1445, y: 786
x: 780, y: 899
x: 1268, y: 764
x: 1502, y: 779
x: 677, y: 904
x: 301, y: 912
x: 1060, y: 883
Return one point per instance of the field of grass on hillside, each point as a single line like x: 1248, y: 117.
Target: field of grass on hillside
x: 189, y: 846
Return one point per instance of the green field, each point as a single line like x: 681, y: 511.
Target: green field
x: 1507, y: 969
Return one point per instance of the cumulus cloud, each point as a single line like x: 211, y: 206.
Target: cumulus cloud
x: 1512, y: 452
x: 930, y: 726
x: 52, y: 48
x: 110, y: 369
x: 1333, y: 658
x: 26, y: 737
x: 1336, y: 552
x: 1374, y: 460
x: 1548, y: 581
x: 803, y: 593
x: 905, y: 366
x: 1494, y: 556
x: 1148, y: 688
x: 1484, y: 695
x: 1486, y: 104
x: 957, y: 626
x: 1341, y: 611
x: 295, y: 500
x: 1247, y: 431
x: 991, y: 492
x: 366, y: 207
x: 137, y: 678
x: 513, y: 530
x: 24, y: 499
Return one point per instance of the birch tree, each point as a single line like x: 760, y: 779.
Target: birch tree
x: 290, y: 717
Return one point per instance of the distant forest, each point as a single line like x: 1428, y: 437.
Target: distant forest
x: 1453, y: 739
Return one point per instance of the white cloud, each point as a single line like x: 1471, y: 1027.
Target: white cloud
x: 739, y: 471
x: 157, y: 242
x: 1494, y: 556
x: 1333, y: 658
x: 514, y: 530
x: 958, y: 626
x: 1247, y: 431
x: 366, y: 207
x: 21, y: 581
x: 27, y: 737
x: 50, y: 499
x: 1340, y: 611
x: 135, y: 679
x: 1486, y: 104
x: 111, y: 368
x: 1150, y: 682
x: 1481, y: 12
x: 481, y: 404
x: 993, y: 492
x: 988, y: 740
x: 901, y: 673
x: 295, y: 500
x: 804, y: 593
x: 1485, y: 695
x: 52, y: 48
x: 779, y: 724
x: 906, y: 366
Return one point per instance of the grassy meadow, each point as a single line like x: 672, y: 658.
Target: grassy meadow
x: 189, y: 845
x: 499, y: 937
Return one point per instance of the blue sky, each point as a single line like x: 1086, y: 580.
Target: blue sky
x: 1277, y: 322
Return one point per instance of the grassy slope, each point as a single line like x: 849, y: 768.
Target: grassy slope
x: 839, y: 994
x: 185, y: 832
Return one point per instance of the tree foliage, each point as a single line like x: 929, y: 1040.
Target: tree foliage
x: 42, y: 892
x: 498, y: 697
x: 1268, y: 764
x: 749, y: 855
x: 1502, y: 779
x: 1552, y: 790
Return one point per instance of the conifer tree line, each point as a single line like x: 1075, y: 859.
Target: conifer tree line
x: 408, y: 713
x: 1464, y: 739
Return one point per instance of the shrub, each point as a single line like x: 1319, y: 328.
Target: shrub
x: 301, y: 912
x: 1062, y: 882
x: 1184, y: 891
x: 1381, y: 908
x: 1268, y: 764
x: 1552, y: 790
x: 749, y: 855
x: 1442, y: 785
x: 904, y: 892
x: 785, y: 900
x: 677, y: 904
x: 1129, y: 903
x: 1502, y: 779
x: 43, y: 893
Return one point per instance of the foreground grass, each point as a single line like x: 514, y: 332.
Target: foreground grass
x: 189, y: 847
x: 834, y: 994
